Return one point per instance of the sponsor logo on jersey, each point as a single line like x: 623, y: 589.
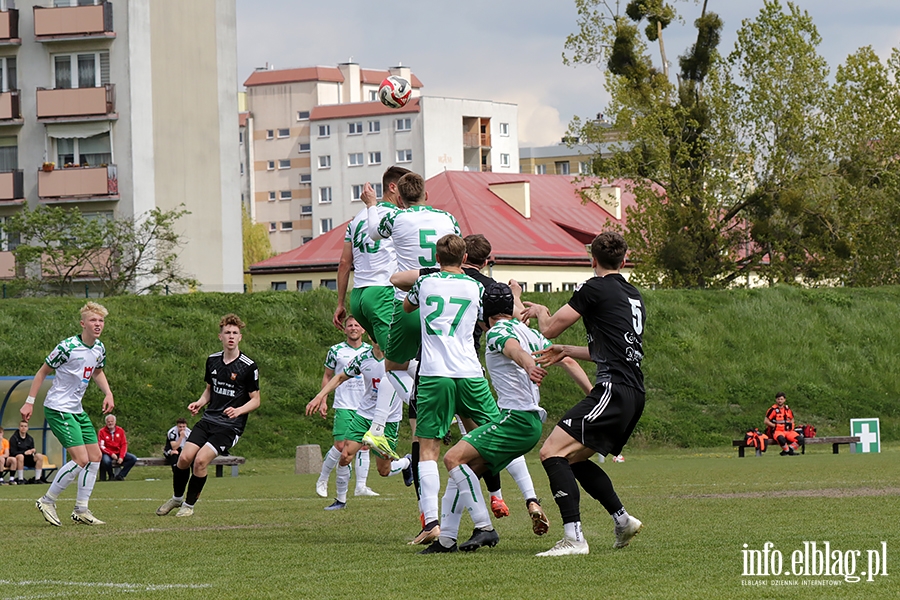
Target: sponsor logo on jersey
x: 223, y: 391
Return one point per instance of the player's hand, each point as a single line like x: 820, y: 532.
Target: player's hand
x: 194, y: 407
x: 515, y: 287
x: 536, y: 374
x: 340, y: 313
x: 26, y: 411
x: 368, y: 195
x: 231, y: 412
x: 550, y: 355
x: 108, y: 404
x: 532, y: 310
x: 317, y: 405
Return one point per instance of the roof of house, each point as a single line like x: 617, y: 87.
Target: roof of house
x: 242, y: 119
x: 333, y: 74
x: 559, y: 228
x: 359, y: 109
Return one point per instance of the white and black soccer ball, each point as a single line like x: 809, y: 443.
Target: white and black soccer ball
x: 395, y: 92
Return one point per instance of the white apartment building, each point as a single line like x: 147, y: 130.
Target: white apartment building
x: 319, y: 135
x: 134, y: 103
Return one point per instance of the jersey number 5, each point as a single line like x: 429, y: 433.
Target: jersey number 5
x: 637, y: 319
x: 429, y: 247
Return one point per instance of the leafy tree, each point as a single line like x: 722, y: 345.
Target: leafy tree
x: 60, y: 247
x: 257, y: 245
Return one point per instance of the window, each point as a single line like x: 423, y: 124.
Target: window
x: 584, y: 168
x: 330, y: 284
x: 356, y: 128
x: 378, y: 191
x: 283, y: 133
x: 324, y: 130
x: 94, y: 150
x: 273, y: 226
x: 303, y: 148
x: 324, y: 225
x: 404, y: 124
x: 504, y: 129
x: 306, y: 209
x: 324, y: 195
x: 279, y: 286
x: 356, y: 192
x: 303, y: 115
x: 305, y: 178
x: 304, y: 286
x: 9, y: 154
x: 568, y: 287
x: 270, y: 134
x: 8, y: 242
x: 524, y: 286
x: 540, y: 169
x: 325, y: 161
x: 287, y: 225
x: 373, y: 95
x: 355, y: 159
x: 374, y: 158
x: 306, y: 239
x: 80, y: 70
x: 543, y: 287
x: 240, y: 137
x: 562, y: 167
x: 284, y: 163
x: 404, y: 156
x: 271, y: 196
x: 242, y: 168
x: 284, y: 195
x: 374, y: 126
x: 270, y: 165
x: 504, y: 160
x: 8, y: 73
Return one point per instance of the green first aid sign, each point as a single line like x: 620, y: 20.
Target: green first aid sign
x: 869, y: 432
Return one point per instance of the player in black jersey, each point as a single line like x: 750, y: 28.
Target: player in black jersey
x: 614, y: 317
x: 232, y: 391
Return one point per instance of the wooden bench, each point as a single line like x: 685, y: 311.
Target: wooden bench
x: 835, y: 442
x: 219, y: 462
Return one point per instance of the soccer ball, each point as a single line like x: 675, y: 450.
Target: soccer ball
x: 394, y: 92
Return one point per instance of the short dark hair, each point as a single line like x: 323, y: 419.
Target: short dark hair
x: 411, y: 188
x: 231, y: 319
x: 451, y: 249
x: 780, y: 395
x: 478, y: 248
x: 392, y: 175
x: 181, y: 421
x: 609, y: 249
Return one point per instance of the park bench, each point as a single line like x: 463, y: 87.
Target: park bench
x: 219, y: 462
x: 835, y: 442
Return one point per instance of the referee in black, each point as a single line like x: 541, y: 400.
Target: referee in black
x: 614, y: 317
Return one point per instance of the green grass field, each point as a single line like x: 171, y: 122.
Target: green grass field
x: 264, y: 535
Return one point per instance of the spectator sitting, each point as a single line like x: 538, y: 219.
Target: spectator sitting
x: 780, y: 426
x: 114, y: 451
x: 7, y: 463
x: 175, y: 439
x: 23, y: 452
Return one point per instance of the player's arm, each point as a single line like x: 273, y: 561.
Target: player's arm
x: 513, y: 350
x: 36, y: 384
x: 195, y: 407
x: 409, y: 306
x: 233, y: 412
x: 551, y: 325
x: 574, y: 370
x: 320, y: 402
x: 99, y: 378
x: 555, y: 353
x: 518, y: 307
x: 343, y: 280
x: 327, y: 376
x: 404, y: 280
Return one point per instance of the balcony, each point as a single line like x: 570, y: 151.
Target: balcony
x: 10, y: 110
x: 78, y: 184
x: 79, y: 104
x: 9, y: 28
x: 59, y: 23
x: 476, y: 140
x: 12, y: 187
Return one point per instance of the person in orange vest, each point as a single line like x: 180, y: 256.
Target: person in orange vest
x: 780, y: 426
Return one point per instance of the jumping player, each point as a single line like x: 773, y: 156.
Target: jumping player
x: 232, y: 392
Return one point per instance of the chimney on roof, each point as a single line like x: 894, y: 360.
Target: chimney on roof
x: 607, y: 197
x: 351, y: 88
x: 517, y: 194
x: 401, y: 71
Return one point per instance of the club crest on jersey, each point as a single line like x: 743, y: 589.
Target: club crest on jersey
x: 86, y: 375
x: 233, y: 376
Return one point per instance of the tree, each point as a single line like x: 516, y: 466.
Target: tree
x: 61, y: 247
x: 257, y: 245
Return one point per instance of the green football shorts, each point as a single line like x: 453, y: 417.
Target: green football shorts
x: 372, y: 307
x: 499, y: 443
x: 360, y: 425
x: 342, y: 419
x: 438, y: 399
x: 405, y: 334
x: 71, y: 429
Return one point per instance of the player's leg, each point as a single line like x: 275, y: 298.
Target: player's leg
x: 555, y: 454
x: 342, y: 418
x: 39, y: 460
x: 199, y: 474
x: 451, y: 515
x: 459, y: 461
x: 87, y: 478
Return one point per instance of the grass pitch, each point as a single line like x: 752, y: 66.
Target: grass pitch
x: 264, y: 535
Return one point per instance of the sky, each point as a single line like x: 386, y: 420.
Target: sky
x: 509, y: 50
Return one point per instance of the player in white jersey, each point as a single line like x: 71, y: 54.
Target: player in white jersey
x: 346, y: 400
x: 414, y: 231
x: 368, y: 365
x: 451, y: 380
x: 491, y: 447
x: 76, y: 361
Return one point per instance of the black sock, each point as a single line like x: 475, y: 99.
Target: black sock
x: 597, y: 483
x: 414, y: 464
x: 179, y: 480
x: 195, y: 486
x: 491, y: 481
x: 564, y: 488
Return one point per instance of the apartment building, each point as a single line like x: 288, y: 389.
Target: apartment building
x: 319, y: 135
x: 118, y: 108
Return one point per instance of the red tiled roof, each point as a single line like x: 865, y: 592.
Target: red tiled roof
x: 242, y: 119
x: 266, y: 77
x: 375, y: 76
x: 359, y: 109
x: 556, y: 234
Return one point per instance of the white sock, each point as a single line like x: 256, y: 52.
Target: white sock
x: 329, y: 463
x: 20, y: 474
x: 343, y: 482
x: 430, y: 487
x: 64, y: 477
x: 397, y: 466
x: 383, y: 402
x: 462, y: 428
x: 620, y: 517
x: 38, y: 474
x: 519, y: 471
x: 362, y: 468
x: 86, y: 480
x: 451, y: 512
x: 470, y: 494
x: 573, y: 531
